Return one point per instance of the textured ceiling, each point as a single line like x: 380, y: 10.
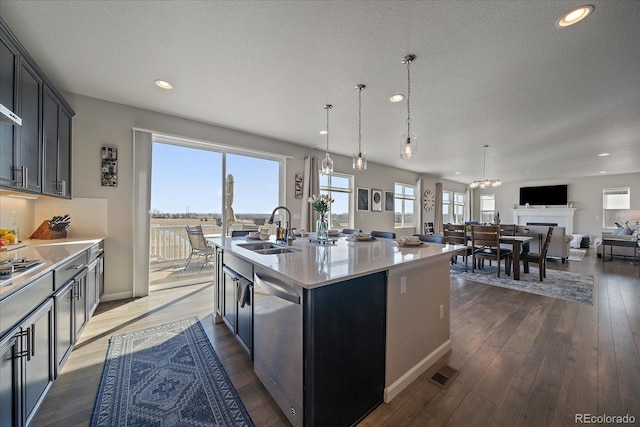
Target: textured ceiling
x: 546, y: 100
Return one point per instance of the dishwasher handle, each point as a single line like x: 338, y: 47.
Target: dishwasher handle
x: 276, y: 290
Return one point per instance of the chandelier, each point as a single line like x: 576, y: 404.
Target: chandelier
x: 327, y: 163
x: 485, y: 181
x: 408, y: 143
x: 360, y: 156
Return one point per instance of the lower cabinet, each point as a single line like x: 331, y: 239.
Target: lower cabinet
x: 70, y: 314
x: 26, y: 366
x: 236, y: 299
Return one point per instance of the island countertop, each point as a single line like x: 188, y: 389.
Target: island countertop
x: 311, y: 264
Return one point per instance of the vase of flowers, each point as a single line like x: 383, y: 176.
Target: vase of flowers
x: 321, y: 204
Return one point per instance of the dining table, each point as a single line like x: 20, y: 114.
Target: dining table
x: 517, y: 243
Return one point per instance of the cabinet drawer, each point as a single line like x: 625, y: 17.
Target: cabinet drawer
x: 240, y: 266
x: 20, y: 304
x: 69, y: 269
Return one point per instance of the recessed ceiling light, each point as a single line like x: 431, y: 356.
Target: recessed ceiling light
x: 603, y: 171
x: 574, y: 16
x: 323, y: 132
x: 457, y: 173
x: 603, y: 154
x: 527, y: 173
x: 163, y: 84
x: 396, y: 98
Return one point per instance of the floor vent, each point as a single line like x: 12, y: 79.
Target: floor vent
x: 444, y: 376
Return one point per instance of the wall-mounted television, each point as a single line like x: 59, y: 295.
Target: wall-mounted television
x: 544, y: 195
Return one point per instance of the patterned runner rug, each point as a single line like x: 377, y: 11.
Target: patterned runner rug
x: 558, y: 284
x: 167, y: 375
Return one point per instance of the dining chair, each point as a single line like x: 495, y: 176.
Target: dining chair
x: 384, y: 234
x: 433, y: 238
x: 199, y: 245
x: 540, y: 259
x: 428, y: 228
x: 456, y: 234
x: 506, y: 230
x: 238, y: 233
x: 485, y: 240
x: 351, y: 230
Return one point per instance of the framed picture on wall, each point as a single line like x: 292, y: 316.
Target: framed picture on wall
x: 376, y: 200
x: 388, y: 201
x: 362, y: 203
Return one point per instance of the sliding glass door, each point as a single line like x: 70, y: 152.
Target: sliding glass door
x: 214, y: 187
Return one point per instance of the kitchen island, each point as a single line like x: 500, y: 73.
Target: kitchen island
x: 336, y: 329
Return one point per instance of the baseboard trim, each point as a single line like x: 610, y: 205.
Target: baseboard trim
x: 412, y: 374
x: 115, y: 297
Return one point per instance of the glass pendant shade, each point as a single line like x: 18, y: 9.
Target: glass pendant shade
x: 408, y: 146
x: 360, y: 160
x: 327, y: 165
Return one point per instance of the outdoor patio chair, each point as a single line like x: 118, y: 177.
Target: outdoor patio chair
x: 199, y: 246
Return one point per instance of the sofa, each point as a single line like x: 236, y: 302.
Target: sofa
x: 617, y: 250
x: 559, y: 245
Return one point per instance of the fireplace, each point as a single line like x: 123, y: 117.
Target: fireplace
x: 558, y: 217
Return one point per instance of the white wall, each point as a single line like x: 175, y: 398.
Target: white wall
x: 585, y: 193
x: 99, y: 123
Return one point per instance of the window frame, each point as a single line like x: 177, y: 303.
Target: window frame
x: 401, y: 198
x: 451, y: 203
x: 617, y: 213
x: 490, y: 213
x: 328, y: 189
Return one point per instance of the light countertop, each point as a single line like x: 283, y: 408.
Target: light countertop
x: 52, y: 252
x: 314, y: 264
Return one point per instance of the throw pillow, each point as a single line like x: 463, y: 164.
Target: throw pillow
x: 575, y: 242
x: 628, y: 231
x: 618, y: 231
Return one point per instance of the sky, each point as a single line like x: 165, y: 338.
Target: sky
x: 187, y: 179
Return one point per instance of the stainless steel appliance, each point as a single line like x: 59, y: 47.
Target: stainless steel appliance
x: 278, y: 346
x: 14, y: 268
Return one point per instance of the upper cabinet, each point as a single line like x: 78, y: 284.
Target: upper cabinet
x: 57, y: 147
x: 36, y: 156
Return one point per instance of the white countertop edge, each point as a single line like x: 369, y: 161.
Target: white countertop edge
x: 285, y: 265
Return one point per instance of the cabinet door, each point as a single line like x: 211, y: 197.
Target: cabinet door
x: 63, y: 300
x: 64, y: 152
x: 38, y: 371
x: 29, y: 147
x: 80, y: 304
x: 50, y: 111
x: 8, y: 66
x: 229, y: 299
x: 92, y: 288
x: 9, y: 381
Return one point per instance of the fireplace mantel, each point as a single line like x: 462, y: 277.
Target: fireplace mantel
x: 562, y: 216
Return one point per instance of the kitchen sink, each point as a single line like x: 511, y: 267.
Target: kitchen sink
x: 267, y: 248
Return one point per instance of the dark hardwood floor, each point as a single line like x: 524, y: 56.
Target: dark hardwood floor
x: 523, y: 359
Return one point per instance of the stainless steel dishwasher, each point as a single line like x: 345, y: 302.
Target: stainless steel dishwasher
x: 278, y: 346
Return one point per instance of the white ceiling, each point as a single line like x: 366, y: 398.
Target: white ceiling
x: 547, y: 100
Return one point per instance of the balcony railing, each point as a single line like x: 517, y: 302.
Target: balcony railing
x: 170, y: 243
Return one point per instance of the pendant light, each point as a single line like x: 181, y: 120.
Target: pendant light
x: 360, y: 156
x: 408, y: 143
x: 327, y: 163
x: 485, y: 181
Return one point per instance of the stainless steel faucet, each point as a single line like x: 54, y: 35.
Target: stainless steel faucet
x: 289, y: 235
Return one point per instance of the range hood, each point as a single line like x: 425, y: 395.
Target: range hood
x: 9, y: 116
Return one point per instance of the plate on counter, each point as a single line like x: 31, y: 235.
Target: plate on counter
x: 360, y: 239
x: 408, y: 243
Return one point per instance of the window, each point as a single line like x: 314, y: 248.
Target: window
x: 340, y: 188
x: 487, y: 207
x: 404, y: 201
x: 616, y: 203
x: 452, y: 207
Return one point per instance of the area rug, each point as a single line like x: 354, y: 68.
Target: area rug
x: 576, y: 254
x: 558, y: 284
x: 167, y: 375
